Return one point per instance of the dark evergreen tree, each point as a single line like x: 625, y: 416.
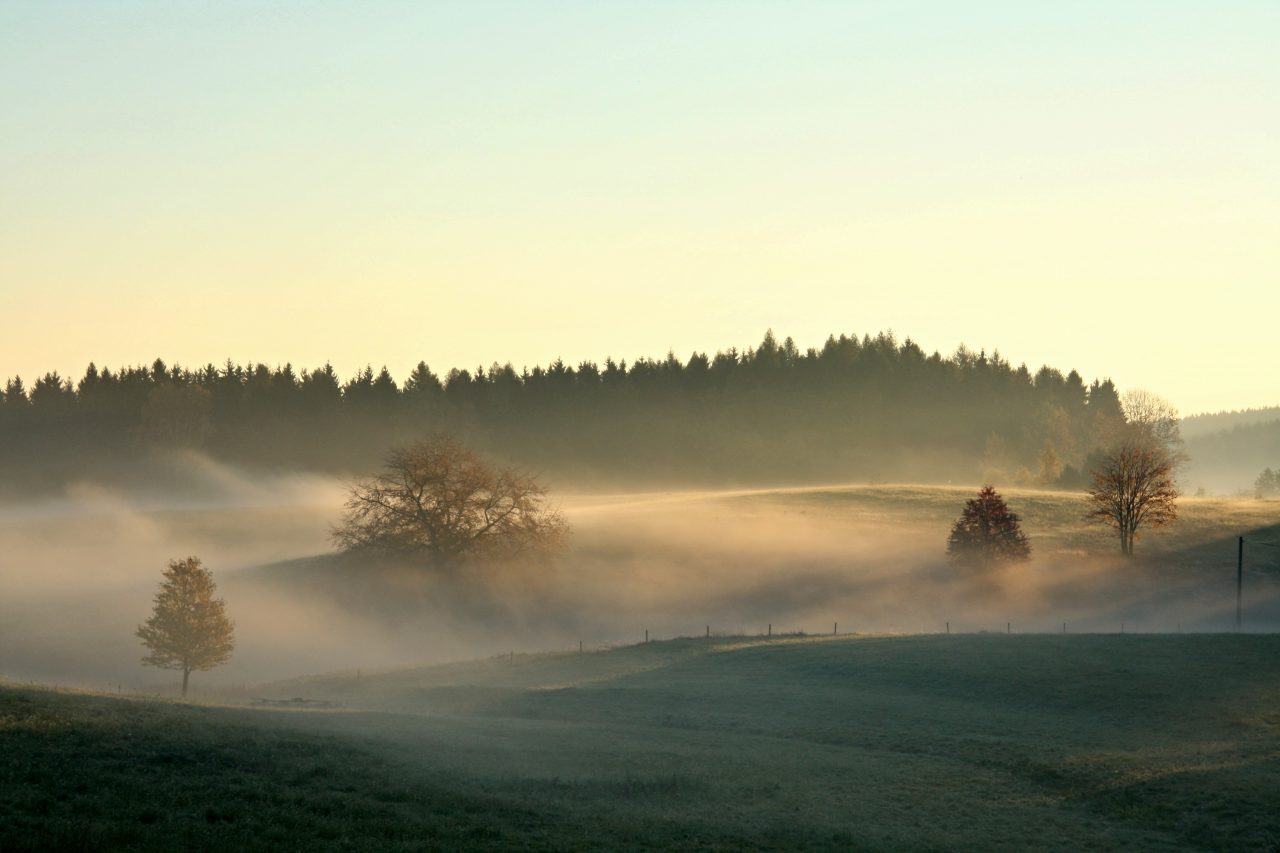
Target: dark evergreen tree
x: 987, y: 533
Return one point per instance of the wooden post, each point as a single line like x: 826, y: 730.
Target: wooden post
x: 708, y: 632
x: 770, y: 629
x: 1008, y: 627
x: 835, y: 629
x: 646, y: 636
x: 1239, y: 581
x: 948, y: 628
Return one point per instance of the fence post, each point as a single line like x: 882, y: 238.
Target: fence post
x: 770, y: 629
x: 646, y: 636
x: 835, y: 629
x: 1239, y: 582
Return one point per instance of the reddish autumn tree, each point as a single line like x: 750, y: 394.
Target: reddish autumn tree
x: 987, y: 533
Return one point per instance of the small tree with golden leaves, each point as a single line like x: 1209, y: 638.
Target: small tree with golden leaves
x: 188, y: 629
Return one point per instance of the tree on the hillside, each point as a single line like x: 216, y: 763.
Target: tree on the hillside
x: 1050, y: 465
x: 1153, y: 419
x: 1267, y: 485
x: 1133, y: 487
x: 1134, y: 481
x: 188, y: 629
x: 987, y: 533
x: 442, y: 503
x: 998, y: 457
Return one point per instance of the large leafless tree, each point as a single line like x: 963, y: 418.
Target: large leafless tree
x: 441, y: 502
x: 1135, y: 484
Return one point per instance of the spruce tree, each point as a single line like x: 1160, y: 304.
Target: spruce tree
x: 987, y: 533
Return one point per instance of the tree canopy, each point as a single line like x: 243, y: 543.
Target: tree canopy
x: 871, y: 407
x: 987, y: 533
x: 1267, y: 485
x: 441, y: 502
x: 1134, y: 480
x: 188, y: 629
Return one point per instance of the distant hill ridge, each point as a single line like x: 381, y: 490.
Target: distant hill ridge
x: 1194, y: 426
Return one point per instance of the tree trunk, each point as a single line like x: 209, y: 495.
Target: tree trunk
x: 186, y: 675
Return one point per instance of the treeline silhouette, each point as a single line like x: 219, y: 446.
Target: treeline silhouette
x: 870, y: 409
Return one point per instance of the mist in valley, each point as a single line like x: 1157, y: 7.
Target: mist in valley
x: 78, y: 574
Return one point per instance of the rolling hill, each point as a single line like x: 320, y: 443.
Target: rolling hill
x: 925, y: 742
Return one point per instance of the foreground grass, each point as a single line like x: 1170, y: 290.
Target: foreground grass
x: 92, y: 773
x: 962, y: 742
x: 85, y: 772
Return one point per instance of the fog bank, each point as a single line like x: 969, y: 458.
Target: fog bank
x: 77, y: 575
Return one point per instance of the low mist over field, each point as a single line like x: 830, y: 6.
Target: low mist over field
x: 78, y: 573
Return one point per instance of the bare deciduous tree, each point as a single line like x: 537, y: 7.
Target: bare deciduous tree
x: 442, y: 502
x: 188, y: 629
x: 1152, y: 418
x: 1133, y: 487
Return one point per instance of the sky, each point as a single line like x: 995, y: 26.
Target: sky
x: 1091, y: 185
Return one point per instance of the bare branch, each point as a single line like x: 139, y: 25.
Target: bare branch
x: 441, y: 502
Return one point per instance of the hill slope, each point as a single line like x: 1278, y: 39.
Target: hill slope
x: 977, y: 741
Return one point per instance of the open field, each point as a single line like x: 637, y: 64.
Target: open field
x: 925, y: 742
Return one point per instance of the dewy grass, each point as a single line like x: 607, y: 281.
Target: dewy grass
x: 925, y: 742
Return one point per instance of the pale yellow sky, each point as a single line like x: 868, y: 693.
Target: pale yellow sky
x: 463, y: 183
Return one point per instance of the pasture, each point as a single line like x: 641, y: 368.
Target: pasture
x: 979, y: 741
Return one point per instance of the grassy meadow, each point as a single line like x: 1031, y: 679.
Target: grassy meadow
x: 922, y: 742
